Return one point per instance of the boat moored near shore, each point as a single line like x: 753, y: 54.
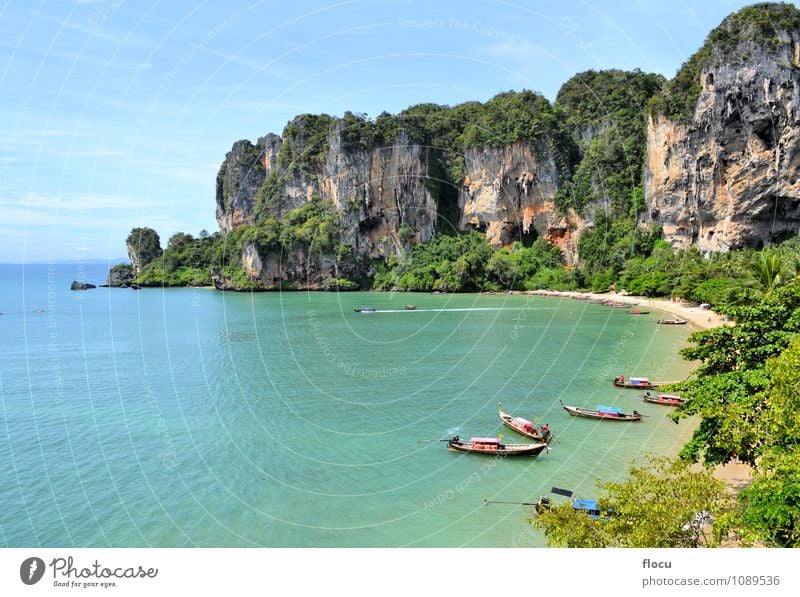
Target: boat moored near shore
x: 525, y: 427
x: 493, y: 447
x: 665, y: 399
x: 638, y: 383
x: 606, y: 413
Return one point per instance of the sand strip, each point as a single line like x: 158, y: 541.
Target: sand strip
x: 697, y: 317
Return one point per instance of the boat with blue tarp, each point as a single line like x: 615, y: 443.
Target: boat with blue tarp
x: 607, y: 413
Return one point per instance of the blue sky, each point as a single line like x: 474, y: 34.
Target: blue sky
x: 116, y: 114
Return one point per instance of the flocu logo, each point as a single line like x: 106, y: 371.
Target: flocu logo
x: 31, y: 571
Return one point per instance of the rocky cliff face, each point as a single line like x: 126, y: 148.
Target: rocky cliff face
x: 720, y: 172
x: 729, y: 178
x: 383, y: 199
x: 508, y: 192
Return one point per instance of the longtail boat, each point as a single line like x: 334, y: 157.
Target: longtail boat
x: 409, y: 307
x: 364, y: 309
x: 637, y: 383
x: 607, y: 413
x: 636, y: 311
x: 673, y: 321
x: 616, y: 304
x: 666, y: 399
x: 524, y: 426
x: 493, y: 447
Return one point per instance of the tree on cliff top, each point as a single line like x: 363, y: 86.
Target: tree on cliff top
x: 760, y: 23
x: 144, y: 245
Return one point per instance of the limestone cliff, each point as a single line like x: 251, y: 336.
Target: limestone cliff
x: 720, y: 170
x: 386, y: 197
x: 509, y: 192
x: 728, y: 177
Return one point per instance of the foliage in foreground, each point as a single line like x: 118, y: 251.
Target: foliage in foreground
x: 655, y: 507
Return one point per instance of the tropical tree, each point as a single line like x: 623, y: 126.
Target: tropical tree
x: 769, y: 270
x: 663, y: 503
x: 728, y: 392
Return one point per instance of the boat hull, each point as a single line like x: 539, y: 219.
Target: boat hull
x: 635, y: 386
x: 577, y: 411
x: 664, y: 400
x: 501, y: 450
x: 508, y: 421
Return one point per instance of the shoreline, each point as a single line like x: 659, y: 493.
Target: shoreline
x: 735, y: 474
x: 697, y: 317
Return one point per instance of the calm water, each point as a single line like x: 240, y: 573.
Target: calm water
x: 189, y: 417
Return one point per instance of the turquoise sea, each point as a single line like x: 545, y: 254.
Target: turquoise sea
x: 191, y: 417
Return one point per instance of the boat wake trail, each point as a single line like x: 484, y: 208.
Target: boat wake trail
x: 443, y: 310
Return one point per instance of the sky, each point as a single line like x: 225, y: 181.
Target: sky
x: 118, y: 113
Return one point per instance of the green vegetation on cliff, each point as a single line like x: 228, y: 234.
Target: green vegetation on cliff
x: 144, y: 245
x: 314, y: 225
x: 759, y: 24
x: 187, y: 261
x: 605, y: 111
x: 446, y: 133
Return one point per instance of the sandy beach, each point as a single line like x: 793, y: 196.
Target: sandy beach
x: 697, y: 317
x: 737, y: 475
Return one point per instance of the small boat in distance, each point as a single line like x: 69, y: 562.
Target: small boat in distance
x: 616, y: 304
x: 636, y: 311
x: 637, y: 383
x: 673, y: 321
x: 364, y: 309
x: 524, y: 426
x: 607, y: 413
x: 493, y: 447
x: 409, y: 307
x: 666, y: 399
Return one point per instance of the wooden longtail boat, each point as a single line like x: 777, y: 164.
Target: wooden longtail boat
x: 616, y: 304
x: 364, y: 309
x: 607, y: 413
x: 636, y: 383
x: 524, y: 426
x: 493, y: 447
x: 636, y: 311
x: 673, y: 321
x: 666, y: 399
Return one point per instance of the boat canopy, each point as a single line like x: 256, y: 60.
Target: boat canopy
x: 670, y: 397
x: 609, y: 409
x: 635, y: 380
x: 591, y: 507
x: 522, y: 422
x: 585, y: 504
x: 485, y: 440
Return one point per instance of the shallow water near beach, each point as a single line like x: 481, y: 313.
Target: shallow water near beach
x: 190, y: 417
